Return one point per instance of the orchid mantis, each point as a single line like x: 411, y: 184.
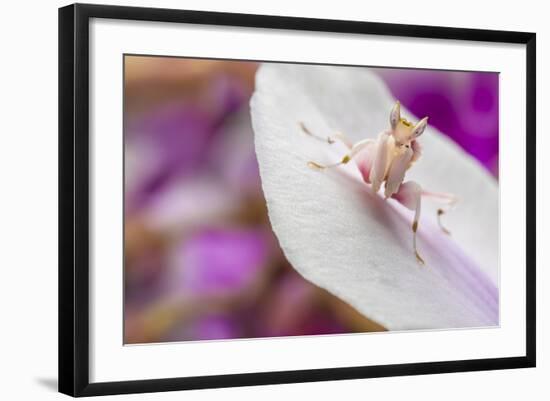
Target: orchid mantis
x: 385, y: 160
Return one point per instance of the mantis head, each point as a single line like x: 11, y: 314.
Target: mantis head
x: 403, y: 131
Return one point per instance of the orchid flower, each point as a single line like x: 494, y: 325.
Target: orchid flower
x: 344, y: 237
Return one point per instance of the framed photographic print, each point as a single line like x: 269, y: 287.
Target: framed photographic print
x: 250, y: 199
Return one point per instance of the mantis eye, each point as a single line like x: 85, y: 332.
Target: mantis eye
x: 395, y: 115
x: 419, y: 128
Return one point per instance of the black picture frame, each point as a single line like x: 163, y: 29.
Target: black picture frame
x: 74, y: 198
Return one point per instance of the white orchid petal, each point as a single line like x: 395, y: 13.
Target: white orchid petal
x: 344, y: 238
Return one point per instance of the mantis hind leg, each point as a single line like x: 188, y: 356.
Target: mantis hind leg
x: 410, y: 196
x: 448, y: 201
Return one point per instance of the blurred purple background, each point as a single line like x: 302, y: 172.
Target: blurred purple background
x: 201, y: 261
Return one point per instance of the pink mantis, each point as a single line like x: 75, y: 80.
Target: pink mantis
x: 385, y: 160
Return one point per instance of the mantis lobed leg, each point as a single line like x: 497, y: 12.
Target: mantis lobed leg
x: 396, y: 171
x: 380, y: 161
x: 355, y: 149
x: 339, y: 136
